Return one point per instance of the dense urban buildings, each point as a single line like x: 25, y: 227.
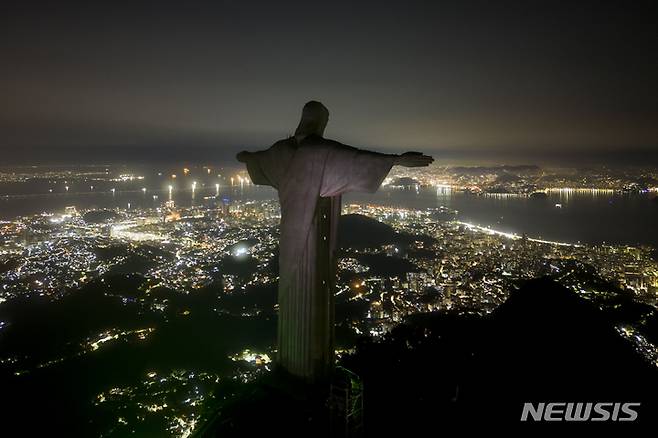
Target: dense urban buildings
x: 148, y: 287
x: 139, y: 262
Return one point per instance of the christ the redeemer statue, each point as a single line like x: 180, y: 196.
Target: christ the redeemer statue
x: 311, y: 173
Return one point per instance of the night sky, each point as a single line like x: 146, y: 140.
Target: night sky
x: 514, y: 80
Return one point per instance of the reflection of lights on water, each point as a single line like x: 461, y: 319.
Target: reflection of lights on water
x: 443, y: 189
x: 502, y: 195
x: 568, y: 192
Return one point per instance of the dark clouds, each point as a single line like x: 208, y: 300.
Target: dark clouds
x: 536, y: 77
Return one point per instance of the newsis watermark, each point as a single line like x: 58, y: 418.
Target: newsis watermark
x: 568, y: 411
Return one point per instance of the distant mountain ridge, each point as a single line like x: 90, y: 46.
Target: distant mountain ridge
x: 477, y: 170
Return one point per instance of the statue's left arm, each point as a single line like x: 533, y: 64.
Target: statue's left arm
x: 349, y: 169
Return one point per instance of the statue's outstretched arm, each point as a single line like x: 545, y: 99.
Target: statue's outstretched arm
x: 407, y: 159
x: 413, y: 159
x: 243, y: 156
x: 349, y: 169
x: 269, y: 166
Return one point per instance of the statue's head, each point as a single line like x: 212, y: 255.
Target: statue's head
x: 314, y: 119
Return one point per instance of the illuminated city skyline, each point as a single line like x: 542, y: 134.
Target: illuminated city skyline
x: 144, y: 285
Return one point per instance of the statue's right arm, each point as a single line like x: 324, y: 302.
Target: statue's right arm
x: 262, y: 166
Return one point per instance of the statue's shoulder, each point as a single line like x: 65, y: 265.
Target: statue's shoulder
x: 316, y: 140
x: 284, y: 144
x: 313, y: 145
x: 326, y: 143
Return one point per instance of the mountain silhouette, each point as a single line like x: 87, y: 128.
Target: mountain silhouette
x: 434, y: 371
x: 544, y: 344
x: 357, y: 231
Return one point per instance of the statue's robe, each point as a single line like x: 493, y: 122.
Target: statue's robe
x: 310, y: 178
